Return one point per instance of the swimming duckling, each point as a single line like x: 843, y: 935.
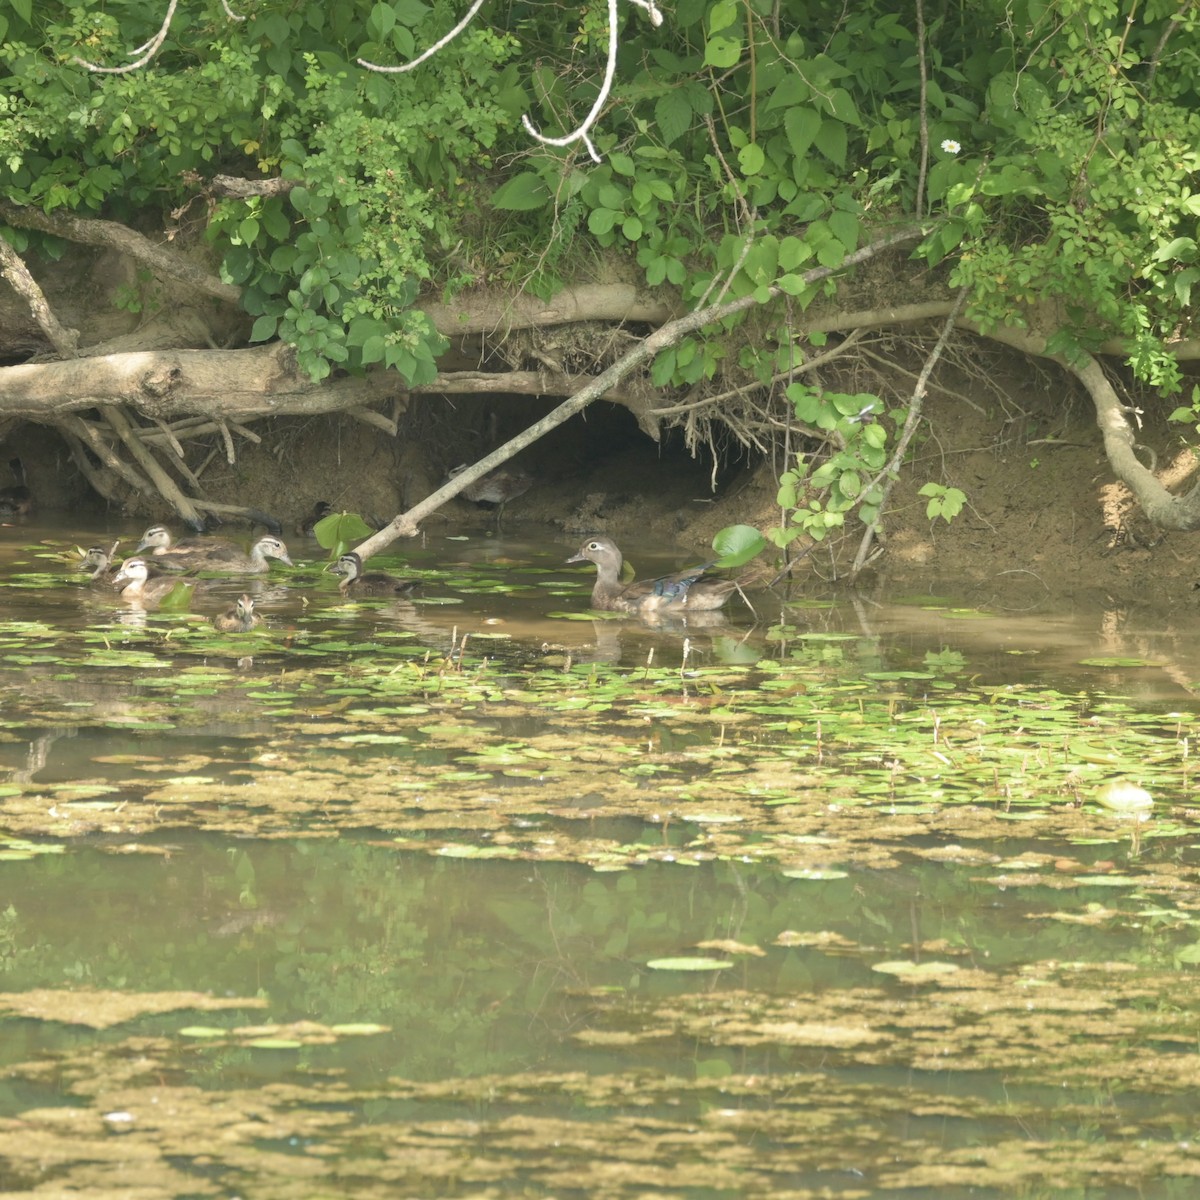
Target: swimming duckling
x: 239, y: 618
x: 682, y: 592
x: 98, y: 562
x: 320, y: 511
x: 215, y: 555
x: 140, y: 585
x: 372, y: 583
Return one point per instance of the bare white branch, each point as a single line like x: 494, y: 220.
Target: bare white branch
x: 151, y: 48
x: 445, y: 41
x: 582, y: 134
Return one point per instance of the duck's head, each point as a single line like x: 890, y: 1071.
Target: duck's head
x: 271, y: 547
x: 133, y: 570
x: 598, y: 550
x: 95, y: 558
x: 349, y: 565
x: 157, y: 537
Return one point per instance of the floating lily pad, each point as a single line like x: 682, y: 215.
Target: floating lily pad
x: 916, y: 972
x: 688, y: 964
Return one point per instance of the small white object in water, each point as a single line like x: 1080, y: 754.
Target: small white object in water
x: 1121, y: 796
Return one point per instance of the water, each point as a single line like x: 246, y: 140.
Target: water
x: 812, y: 906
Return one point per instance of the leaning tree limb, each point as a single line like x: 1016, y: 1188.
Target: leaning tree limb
x: 407, y: 524
x: 13, y: 268
x: 167, y: 487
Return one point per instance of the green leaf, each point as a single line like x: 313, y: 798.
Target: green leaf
x: 722, y: 15
x: 264, y: 328
x: 831, y: 141
x: 722, y: 52
x: 751, y: 159
x: 522, y: 193
x: 673, y: 115
x: 344, y: 528
x: 601, y: 220
x: 737, y: 544
x: 801, y: 124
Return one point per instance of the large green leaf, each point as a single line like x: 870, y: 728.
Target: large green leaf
x: 737, y: 544
x: 522, y: 193
x: 341, y: 529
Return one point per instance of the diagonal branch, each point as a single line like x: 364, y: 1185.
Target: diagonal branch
x: 406, y: 524
x: 13, y: 268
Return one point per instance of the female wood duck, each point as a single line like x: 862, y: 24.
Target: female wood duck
x: 371, y: 583
x: 685, y: 591
x: 240, y: 618
x: 139, y: 584
x: 16, y: 501
x: 213, y: 554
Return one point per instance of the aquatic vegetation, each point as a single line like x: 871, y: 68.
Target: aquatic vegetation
x: 740, y: 899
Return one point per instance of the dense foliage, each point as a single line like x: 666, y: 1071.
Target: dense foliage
x: 1050, y: 148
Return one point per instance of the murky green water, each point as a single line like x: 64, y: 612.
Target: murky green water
x: 471, y: 898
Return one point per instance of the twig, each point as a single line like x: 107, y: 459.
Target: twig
x: 230, y: 454
x: 891, y: 471
x: 923, y: 66
x: 103, y: 451
x: 166, y: 486
x: 378, y: 420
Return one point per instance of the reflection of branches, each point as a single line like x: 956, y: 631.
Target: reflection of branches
x: 150, y: 48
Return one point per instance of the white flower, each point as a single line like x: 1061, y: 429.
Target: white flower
x: 951, y: 146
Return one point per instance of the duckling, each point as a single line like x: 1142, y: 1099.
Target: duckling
x: 682, y: 592
x: 16, y: 501
x: 372, y: 583
x: 239, y: 618
x: 320, y: 511
x: 214, y: 555
x: 138, y: 584
x: 98, y: 561
x: 497, y: 487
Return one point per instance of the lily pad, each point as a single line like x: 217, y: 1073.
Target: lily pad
x: 688, y: 964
